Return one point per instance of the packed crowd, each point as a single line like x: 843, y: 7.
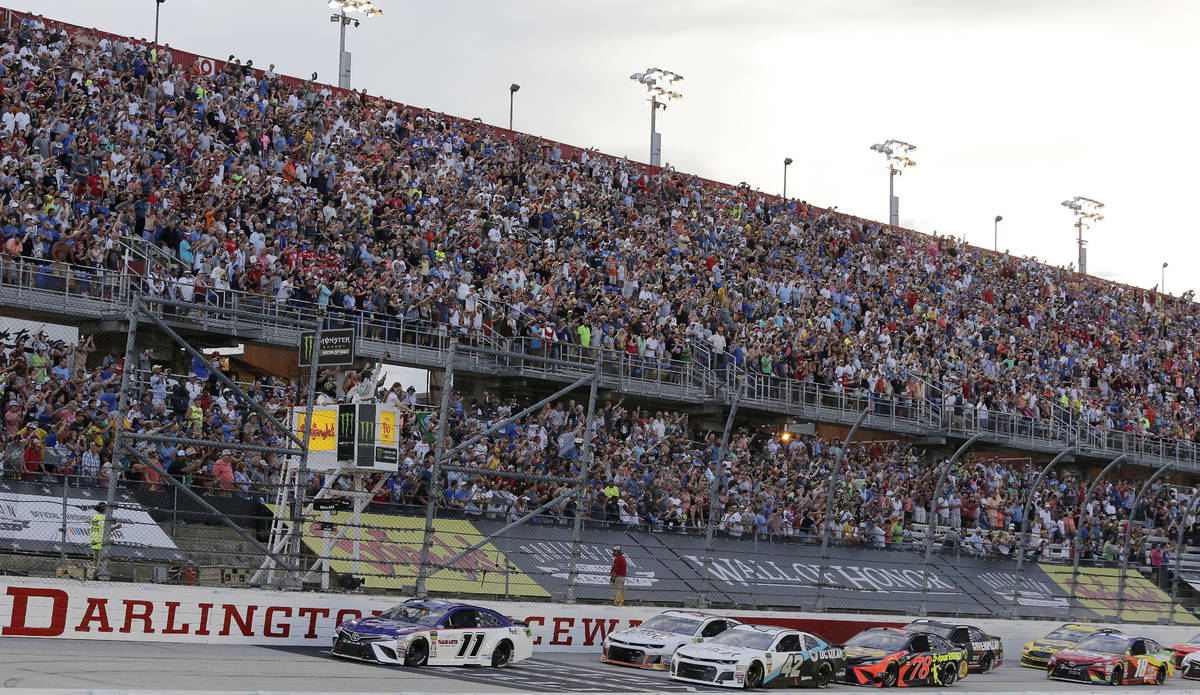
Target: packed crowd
x: 295, y: 193
x: 647, y: 469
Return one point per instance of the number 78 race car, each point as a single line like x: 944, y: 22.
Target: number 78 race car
x: 888, y: 657
x: 749, y: 656
x: 435, y: 633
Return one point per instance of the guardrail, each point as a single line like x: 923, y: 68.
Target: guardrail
x: 84, y: 292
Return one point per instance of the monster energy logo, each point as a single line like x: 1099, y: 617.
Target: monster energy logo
x: 346, y: 422
x: 307, y: 342
x: 336, y: 347
x: 366, y: 430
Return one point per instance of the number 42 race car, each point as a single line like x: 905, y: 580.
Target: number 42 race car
x: 1113, y: 659
x: 435, y: 633
x: 749, y: 656
x: 887, y: 657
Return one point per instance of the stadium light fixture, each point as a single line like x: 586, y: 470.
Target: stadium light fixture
x: 1162, y: 281
x: 659, y: 86
x: 364, y: 7
x: 996, y: 233
x: 1083, y: 209
x: 897, y: 152
x: 787, y: 162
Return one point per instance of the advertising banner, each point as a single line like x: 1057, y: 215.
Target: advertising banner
x: 32, y: 519
x: 336, y: 348
x: 1098, y: 591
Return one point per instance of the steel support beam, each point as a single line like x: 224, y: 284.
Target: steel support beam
x: 830, y: 494
x: 1177, y: 558
x: 435, y: 472
x: 1022, y: 545
x: 713, y: 498
x: 1128, y: 536
x: 115, y: 469
x: 931, y: 520
x: 1076, y: 550
x: 583, y: 496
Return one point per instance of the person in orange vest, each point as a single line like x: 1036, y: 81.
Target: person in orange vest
x: 616, y: 576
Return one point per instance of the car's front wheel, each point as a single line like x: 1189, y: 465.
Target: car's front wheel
x: 754, y: 676
x: 502, y: 654
x: 417, y: 653
x: 890, y: 676
x: 1118, y: 675
x: 824, y: 675
x: 1161, y: 676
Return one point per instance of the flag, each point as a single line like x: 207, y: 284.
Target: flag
x: 423, y: 427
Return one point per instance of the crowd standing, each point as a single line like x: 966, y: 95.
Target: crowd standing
x: 301, y: 195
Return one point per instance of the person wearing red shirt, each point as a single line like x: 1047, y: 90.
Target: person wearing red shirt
x: 616, y: 576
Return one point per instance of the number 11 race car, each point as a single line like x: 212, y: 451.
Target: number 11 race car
x: 887, y: 657
x: 435, y: 633
x: 749, y: 656
x: 1113, y: 659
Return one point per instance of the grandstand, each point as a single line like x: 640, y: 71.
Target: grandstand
x: 239, y: 207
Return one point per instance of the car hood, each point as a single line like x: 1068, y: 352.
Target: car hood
x: 1086, y: 657
x: 1187, y: 647
x: 855, y: 655
x: 716, y: 651
x: 383, y: 626
x: 1052, y: 645
x: 644, y: 636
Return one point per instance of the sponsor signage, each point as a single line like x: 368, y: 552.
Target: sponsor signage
x: 366, y: 435
x: 347, y: 433
x: 32, y: 518
x: 1098, y: 591
x: 364, y: 454
x: 336, y: 348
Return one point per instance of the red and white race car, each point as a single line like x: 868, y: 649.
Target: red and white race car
x: 1184, y: 648
x: 1113, y: 659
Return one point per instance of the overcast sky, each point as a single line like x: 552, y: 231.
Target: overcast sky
x: 1014, y: 106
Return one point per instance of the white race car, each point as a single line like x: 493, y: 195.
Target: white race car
x: 749, y: 656
x: 651, y: 644
x: 1190, y: 668
x: 434, y: 633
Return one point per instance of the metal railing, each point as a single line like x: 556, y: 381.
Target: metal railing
x: 84, y: 292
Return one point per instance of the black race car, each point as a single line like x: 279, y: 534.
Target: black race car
x: 888, y: 657
x: 984, y: 652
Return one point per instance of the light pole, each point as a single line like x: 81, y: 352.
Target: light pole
x: 996, y: 233
x: 1162, y: 280
x: 1083, y: 209
x: 658, y: 84
x: 364, y: 7
x: 157, y: 4
x: 787, y: 162
x: 512, y: 93
x: 896, y: 152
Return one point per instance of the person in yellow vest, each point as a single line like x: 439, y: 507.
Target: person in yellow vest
x: 96, y: 535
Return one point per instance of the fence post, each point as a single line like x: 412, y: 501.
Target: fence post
x: 1137, y: 501
x: 931, y: 521
x: 1025, y: 512
x: 1077, y: 551
x: 705, y: 582
x: 115, y: 470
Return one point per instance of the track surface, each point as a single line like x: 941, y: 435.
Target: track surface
x: 81, y: 666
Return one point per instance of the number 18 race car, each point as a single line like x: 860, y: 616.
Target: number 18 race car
x: 984, y: 652
x: 1113, y: 659
x: 749, y: 656
x: 887, y: 657
x: 651, y: 644
x: 436, y: 633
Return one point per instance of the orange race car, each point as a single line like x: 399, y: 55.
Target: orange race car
x: 887, y: 657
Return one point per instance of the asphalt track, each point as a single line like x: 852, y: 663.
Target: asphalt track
x: 53, y: 667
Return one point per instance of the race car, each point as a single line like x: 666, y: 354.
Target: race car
x: 749, y: 656
x: 651, y: 644
x: 888, y: 656
x: 1113, y: 659
x: 434, y: 633
x: 984, y: 652
x: 1182, y: 650
x: 1037, y: 652
x: 1190, y: 668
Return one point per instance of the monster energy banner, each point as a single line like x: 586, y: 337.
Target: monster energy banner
x: 347, y: 433
x: 365, y: 444
x: 336, y: 349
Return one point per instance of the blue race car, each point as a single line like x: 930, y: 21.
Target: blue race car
x: 435, y: 633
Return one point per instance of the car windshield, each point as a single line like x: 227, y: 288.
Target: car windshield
x: 887, y: 641
x: 419, y: 615
x: 1069, y: 634
x: 1104, y: 644
x: 750, y: 639
x: 939, y: 630
x: 672, y: 623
